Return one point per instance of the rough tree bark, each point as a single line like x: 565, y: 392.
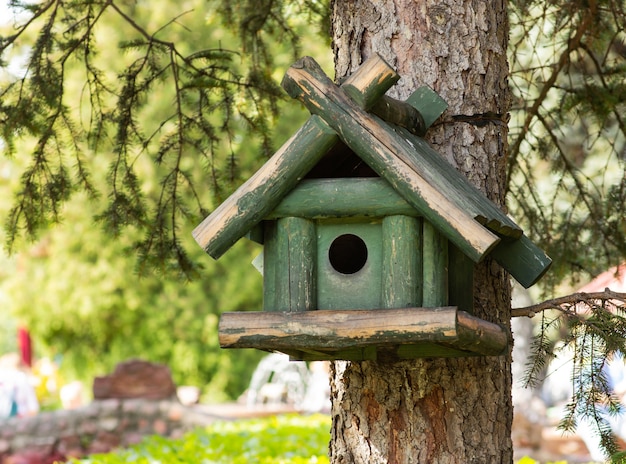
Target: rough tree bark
x: 439, y: 410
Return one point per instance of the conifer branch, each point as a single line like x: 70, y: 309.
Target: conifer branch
x: 567, y: 304
x: 548, y: 85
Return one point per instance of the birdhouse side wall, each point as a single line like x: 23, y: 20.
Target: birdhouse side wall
x: 289, y: 267
x: 435, y: 267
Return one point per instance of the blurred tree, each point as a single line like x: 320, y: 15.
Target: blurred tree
x: 567, y: 183
x: 80, y: 287
x: 568, y: 132
x: 76, y: 96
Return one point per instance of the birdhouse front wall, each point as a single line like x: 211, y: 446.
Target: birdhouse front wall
x: 349, y: 267
x: 390, y: 262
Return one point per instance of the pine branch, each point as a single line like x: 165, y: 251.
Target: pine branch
x: 558, y: 67
x: 588, y: 333
x: 566, y: 304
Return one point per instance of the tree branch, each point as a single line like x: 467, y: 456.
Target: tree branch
x: 565, y: 303
x: 532, y: 112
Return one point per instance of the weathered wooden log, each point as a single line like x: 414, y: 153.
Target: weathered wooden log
x: 333, y: 331
x: 295, y: 268
x: 435, y: 267
x: 426, y: 160
x: 460, y: 280
x: 402, y: 262
x: 364, y: 91
x: 263, y: 191
x: 524, y: 260
x: 429, y: 103
x: 400, y: 114
x: 392, y: 157
x: 344, y: 197
x: 270, y: 265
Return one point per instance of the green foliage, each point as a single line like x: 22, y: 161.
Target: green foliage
x: 592, y: 335
x: 79, y: 96
x: 138, y: 117
x: 567, y: 178
x: 87, y: 303
x: 253, y: 20
x: 281, y: 440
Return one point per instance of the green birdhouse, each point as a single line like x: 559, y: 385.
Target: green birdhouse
x: 369, y: 236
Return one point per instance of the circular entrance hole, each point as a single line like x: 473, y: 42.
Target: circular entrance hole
x: 347, y: 254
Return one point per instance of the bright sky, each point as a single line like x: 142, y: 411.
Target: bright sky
x: 4, y: 11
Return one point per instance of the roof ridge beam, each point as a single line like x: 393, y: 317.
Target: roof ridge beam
x: 389, y: 154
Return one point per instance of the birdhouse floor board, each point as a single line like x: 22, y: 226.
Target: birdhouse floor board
x: 382, y: 354
x: 364, y: 334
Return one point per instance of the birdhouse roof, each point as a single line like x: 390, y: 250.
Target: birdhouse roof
x: 424, y: 179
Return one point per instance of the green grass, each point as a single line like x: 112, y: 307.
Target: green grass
x: 290, y: 439
x: 527, y: 460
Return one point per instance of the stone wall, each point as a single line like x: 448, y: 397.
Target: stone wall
x: 97, y: 428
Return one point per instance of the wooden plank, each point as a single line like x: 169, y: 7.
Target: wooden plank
x: 388, y: 154
x: 295, y: 271
x: 369, y: 353
x: 346, y: 331
x: 402, y: 262
x: 270, y: 258
x: 281, y: 268
x: 361, y: 289
x: 435, y: 267
x: 480, y: 336
x: 460, y: 280
x: 388, y: 354
x: 253, y: 200
x: 400, y: 114
x: 335, y: 329
x: 428, y: 103
x: 524, y: 260
x: 340, y: 198
x: 365, y: 91
x: 430, y: 350
x: 437, y: 170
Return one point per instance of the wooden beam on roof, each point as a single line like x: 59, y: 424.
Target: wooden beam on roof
x: 343, y: 197
x: 254, y: 199
x: 435, y: 168
x: 524, y: 260
x: 258, y: 196
x: 391, y: 156
x: 400, y: 114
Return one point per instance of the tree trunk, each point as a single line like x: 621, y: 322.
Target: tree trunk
x: 434, y: 410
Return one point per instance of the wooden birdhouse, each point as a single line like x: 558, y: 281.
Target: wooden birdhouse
x: 369, y: 236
